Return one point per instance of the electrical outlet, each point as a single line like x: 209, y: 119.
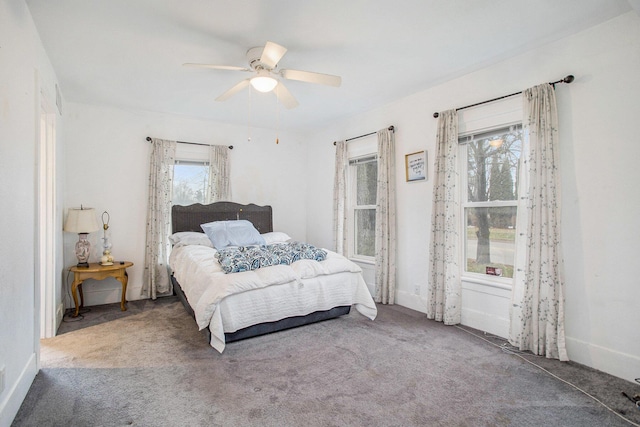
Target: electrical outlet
x: 1, y: 380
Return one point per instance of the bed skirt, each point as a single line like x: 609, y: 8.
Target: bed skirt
x: 268, y: 327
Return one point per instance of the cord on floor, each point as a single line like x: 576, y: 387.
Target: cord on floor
x: 520, y: 353
x: 68, y: 315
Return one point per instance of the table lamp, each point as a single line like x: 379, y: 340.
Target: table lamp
x: 107, y: 258
x: 82, y: 221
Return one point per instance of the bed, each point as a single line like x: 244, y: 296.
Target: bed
x: 264, y: 300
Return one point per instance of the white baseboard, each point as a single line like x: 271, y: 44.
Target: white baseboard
x: 480, y: 320
x: 107, y: 292
x: 412, y: 301
x: 99, y: 296
x: 10, y: 405
x: 618, y: 364
x: 59, y: 315
x: 485, y: 322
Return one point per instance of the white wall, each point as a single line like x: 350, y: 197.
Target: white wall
x: 600, y: 149
x: 108, y: 168
x: 25, y: 73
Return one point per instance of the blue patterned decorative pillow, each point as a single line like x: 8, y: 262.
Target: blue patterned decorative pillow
x: 246, y: 258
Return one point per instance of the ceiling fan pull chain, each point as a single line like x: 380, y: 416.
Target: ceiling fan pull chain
x: 249, y: 116
x: 277, y: 121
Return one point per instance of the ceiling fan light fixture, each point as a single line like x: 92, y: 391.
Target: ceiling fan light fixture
x: 263, y: 82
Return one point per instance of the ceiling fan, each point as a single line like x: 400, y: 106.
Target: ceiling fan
x: 263, y: 63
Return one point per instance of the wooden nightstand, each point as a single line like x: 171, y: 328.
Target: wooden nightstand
x: 99, y: 272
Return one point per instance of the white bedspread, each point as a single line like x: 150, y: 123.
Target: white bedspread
x: 228, y: 302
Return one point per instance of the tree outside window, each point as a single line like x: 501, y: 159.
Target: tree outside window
x: 364, y: 177
x: 492, y: 161
x: 190, y: 181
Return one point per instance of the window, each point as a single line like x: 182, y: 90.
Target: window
x: 363, y: 177
x: 489, y: 203
x: 190, y: 182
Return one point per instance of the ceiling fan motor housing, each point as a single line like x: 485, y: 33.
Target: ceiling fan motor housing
x: 253, y: 56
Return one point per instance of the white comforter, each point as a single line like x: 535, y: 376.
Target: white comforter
x: 228, y: 302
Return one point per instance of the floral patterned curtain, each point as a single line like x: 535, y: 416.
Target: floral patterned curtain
x: 219, y: 185
x: 386, y: 219
x: 537, y: 322
x: 340, y: 198
x: 156, y: 276
x: 444, y: 288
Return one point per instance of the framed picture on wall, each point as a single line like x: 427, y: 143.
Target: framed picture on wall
x: 416, y: 166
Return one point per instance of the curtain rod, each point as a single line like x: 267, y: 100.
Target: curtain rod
x: 193, y: 143
x: 567, y: 79
x: 391, y: 128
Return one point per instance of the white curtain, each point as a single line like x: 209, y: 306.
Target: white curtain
x: 219, y: 186
x: 156, y: 276
x: 537, y: 322
x: 386, y: 219
x: 444, y: 288
x: 340, y: 199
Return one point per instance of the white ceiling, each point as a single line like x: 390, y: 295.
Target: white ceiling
x: 129, y: 53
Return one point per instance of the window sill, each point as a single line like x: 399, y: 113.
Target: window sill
x: 499, y: 283
x: 363, y: 261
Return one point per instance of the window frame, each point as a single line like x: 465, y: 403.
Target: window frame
x: 482, y: 278
x: 190, y: 154
x: 353, y: 207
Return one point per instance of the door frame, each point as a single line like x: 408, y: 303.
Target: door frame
x: 46, y: 219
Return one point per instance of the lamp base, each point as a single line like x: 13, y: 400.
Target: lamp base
x: 83, y: 248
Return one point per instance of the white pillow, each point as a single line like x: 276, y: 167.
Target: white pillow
x: 275, y: 237
x: 232, y: 233
x: 185, y: 238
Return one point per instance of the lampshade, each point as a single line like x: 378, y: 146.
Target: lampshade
x: 81, y: 220
x: 263, y: 82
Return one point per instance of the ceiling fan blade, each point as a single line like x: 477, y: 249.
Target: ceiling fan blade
x: 285, y: 97
x: 237, y: 88
x: 272, y: 54
x: 310, y: 77
x: 217, y: 67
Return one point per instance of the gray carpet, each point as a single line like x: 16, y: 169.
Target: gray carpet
x: 151, y: 367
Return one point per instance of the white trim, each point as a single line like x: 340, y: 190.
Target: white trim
x: 59, y: 314
x: 491, y: 204
x: 46, y: 217
x: 10, y: 405
x: 191, y: 152
x: 487, y: 116
x: 485, y: 280
x: 368, y: 260
x: 616, y: 363
x: 485, y: 322
x: 477, y: 297
x: 488, y: 322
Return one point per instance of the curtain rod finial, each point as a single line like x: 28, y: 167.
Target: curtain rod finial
x: 436, y: 115
x: 149, y: 138
x: 569, y: 79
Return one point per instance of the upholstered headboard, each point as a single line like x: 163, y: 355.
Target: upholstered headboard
x: 189, y: 218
